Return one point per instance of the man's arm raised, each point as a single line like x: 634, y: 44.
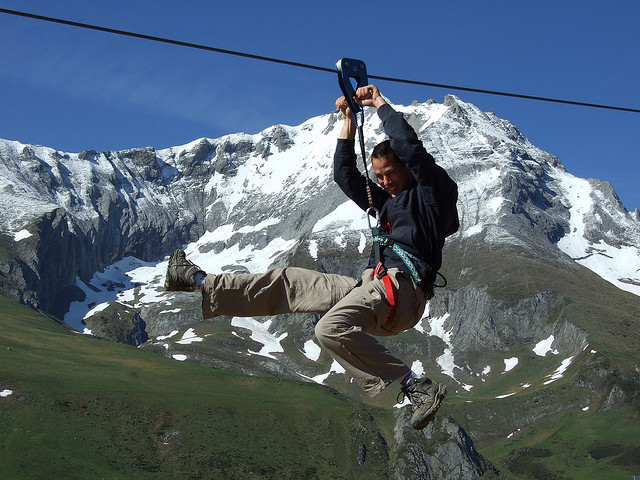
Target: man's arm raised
x: 348, y: 131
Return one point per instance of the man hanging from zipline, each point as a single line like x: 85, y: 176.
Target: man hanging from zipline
x: 415, y: 203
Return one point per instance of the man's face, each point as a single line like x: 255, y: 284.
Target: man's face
x: 393, y: 176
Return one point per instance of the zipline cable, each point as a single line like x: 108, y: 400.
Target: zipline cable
x: 306, y: 65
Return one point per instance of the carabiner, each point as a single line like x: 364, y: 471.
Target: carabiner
x: 376, y: 214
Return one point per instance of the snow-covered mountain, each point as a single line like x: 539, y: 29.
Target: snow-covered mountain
x: 271, y: 190
x: 86, y: 236
x: 247, y: 201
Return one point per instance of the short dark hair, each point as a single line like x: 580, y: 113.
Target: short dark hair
x: 384, y: 150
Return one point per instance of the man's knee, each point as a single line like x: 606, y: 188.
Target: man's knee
x: 328, y: 330
x: 322, y: 333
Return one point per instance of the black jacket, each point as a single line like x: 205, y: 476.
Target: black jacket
x: 422, y: 216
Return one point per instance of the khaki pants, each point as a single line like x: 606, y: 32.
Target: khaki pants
x: 352, y: 313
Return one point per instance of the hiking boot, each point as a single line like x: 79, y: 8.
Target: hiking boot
x: 426, y: 397
x: 180, y: 273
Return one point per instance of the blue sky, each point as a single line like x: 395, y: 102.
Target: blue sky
x: 74, y: 89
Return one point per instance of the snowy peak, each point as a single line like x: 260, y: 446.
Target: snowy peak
x: 601, y: 234
x: 248, y: 190
x: 511, y: 191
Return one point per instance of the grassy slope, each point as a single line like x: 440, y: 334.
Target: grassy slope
x: 573, y: 445
x: 84, y: 408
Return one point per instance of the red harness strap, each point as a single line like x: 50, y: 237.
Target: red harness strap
x: 390, y: 289
x: 381, y: 272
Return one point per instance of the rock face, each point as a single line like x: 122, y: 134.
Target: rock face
x: 453, y: 459
x: 86, y: 236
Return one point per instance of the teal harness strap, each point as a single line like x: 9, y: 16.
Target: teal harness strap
x: 405, y: 256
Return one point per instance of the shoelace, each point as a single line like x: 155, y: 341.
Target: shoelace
x: 184, y: 262
x: 411, y: 391
x: 187, y: 263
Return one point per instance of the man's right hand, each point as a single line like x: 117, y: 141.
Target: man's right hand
x: 370, y: 96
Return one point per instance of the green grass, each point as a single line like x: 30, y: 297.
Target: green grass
x: 578, y: 436
x: 577, y: 444
x: 85, y: 408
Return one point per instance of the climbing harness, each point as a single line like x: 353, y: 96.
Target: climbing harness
x: 405, y: 256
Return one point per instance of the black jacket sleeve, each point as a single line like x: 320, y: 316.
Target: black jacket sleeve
x: 441, y: 190
x: 407, y: 145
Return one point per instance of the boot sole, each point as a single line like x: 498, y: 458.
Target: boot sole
x: 423, y: 421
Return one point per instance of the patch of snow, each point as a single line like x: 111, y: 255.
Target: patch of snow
x: 619, y: 265
x: 417, y: 367
x: 506, y: 396
x: 544, y: 346
x: 164, y: 337
x: 435, y: 113
x: 175, y: 310
x: 473, y: 230
x: 495, y: 204
x: 21, y: 235
x: 513, y: 433
x: 313, y: 249
x: 139, y: 283
x: 179, y: 357
x: 311, y: 350
x: 510, y: 364
x: 481, y: 204
x: 255, y: 260
x: 348, y: 215
x: 559, y: 373
x: 97, y: 309
x: 335, y: 368
x: 363, y: 243
x: 117, y: 283
x: 189, y: 337
x: 446, y: 360
x: 6, y: 393
x: 260, y: 333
